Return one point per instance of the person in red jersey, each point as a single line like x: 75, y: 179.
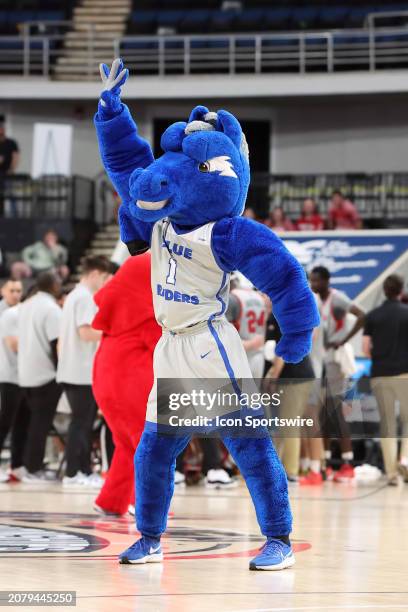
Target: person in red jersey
x: 278, y: 221
x: 123, y: 373
x: 343, y: 213
x: 310, y: 220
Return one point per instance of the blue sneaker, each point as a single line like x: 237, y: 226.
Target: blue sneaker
x: 274, y: 555
x: 145, y: 550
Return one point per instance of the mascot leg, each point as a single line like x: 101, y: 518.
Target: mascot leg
x: 155, y: 463
x: 266, y: 480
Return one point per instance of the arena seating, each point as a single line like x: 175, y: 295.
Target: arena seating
x: 15, y: 13
x: 254, y: 16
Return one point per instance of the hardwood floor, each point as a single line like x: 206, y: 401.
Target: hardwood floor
x: 351, y: 551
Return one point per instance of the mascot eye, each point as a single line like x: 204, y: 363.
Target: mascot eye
x: 204, y: 167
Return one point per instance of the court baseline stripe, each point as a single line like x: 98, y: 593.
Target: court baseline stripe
x: 215, y: 496
x: 341, y: 607
x: 237, y: 593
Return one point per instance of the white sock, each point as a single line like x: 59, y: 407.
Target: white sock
x: 404, y: 461
x: 347, y: 456
x: 315, y: 466
x: 327, y: 455
x: 304, y: 463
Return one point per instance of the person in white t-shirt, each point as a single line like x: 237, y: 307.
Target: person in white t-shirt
x: 14, y: 413
x: 39, y: 320
x: 76, y: 349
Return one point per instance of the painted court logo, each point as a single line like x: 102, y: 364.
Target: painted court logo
x: 66, y: 534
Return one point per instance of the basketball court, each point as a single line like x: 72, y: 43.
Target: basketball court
x: 350, y: 544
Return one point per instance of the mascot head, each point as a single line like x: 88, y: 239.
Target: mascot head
x: 203, y: 175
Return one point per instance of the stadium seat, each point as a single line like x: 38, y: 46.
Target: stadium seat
x: 21, y: 16
x: 50, y: 16
x: 277, y: 18
x: 304, y: 18
x: 250, y: 20
x: 143, y: 22
x: 222, y: 21
x: 196, y: 21
x: 333, y: 16
x: 358, y: 14
x: 170, y: 19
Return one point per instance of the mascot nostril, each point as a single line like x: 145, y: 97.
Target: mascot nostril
x: 188, y: 212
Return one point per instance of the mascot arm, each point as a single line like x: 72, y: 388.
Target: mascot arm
x: 122, y: 151
x: 253, y: 249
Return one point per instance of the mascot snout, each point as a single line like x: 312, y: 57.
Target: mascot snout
x: 150, y: 189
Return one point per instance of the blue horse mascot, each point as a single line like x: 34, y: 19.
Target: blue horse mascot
x: 186, y: 207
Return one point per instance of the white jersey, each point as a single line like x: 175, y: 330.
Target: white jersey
x: 39, y: 320
x: 252, y: 318
x: 8, y: 358
x: 75, y: 355
x: 188, y: 285
x: 250, y: 323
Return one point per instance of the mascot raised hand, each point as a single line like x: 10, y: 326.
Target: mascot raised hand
x: 186, y: 207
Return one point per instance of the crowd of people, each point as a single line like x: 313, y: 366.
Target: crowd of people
x: 47, y: 347
x: 48, y: 343
x: 320, y: 386
x: 342, y: 215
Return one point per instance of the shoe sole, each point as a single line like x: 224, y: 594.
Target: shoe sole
x: 142, y: 561
x: 286, y: 563
x: 219, y: 485
x: 403, y: 472
x: 310, y: 484
x: 106, y: 513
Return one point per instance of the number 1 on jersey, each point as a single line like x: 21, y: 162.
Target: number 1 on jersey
x: 171, y: 277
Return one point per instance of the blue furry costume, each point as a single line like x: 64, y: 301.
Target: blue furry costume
x: 202, y: 179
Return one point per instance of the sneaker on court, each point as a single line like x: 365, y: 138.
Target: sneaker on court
x: 311, y: 479
x: 274, y: 555
x: 393, y: 481
x: 106, y: 513
x: 345, y: 473
x: 94, y: 481
x: 292, y: 479
x: 4, y: 477
x: 219, y: 479
x: 38, y: 477
x: 78, y: 480
x: 17, y: 474
x: 179, y: 478
x: 328, y: 474
x: 145, y: 550
x: 403, y: 470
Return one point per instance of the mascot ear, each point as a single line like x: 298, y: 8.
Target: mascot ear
x: 172, y: 138
x: 230, y: 126
x: 197, y: 114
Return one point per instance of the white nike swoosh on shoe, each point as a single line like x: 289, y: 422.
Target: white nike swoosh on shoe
x: 153, y: 550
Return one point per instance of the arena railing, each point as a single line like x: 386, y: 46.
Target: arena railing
x: 41, y: 49
x: 49, y: 197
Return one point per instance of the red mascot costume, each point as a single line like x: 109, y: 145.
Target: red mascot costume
x: 123, y: 372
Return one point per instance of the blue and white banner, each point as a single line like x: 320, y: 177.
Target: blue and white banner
x: 355, y: 258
